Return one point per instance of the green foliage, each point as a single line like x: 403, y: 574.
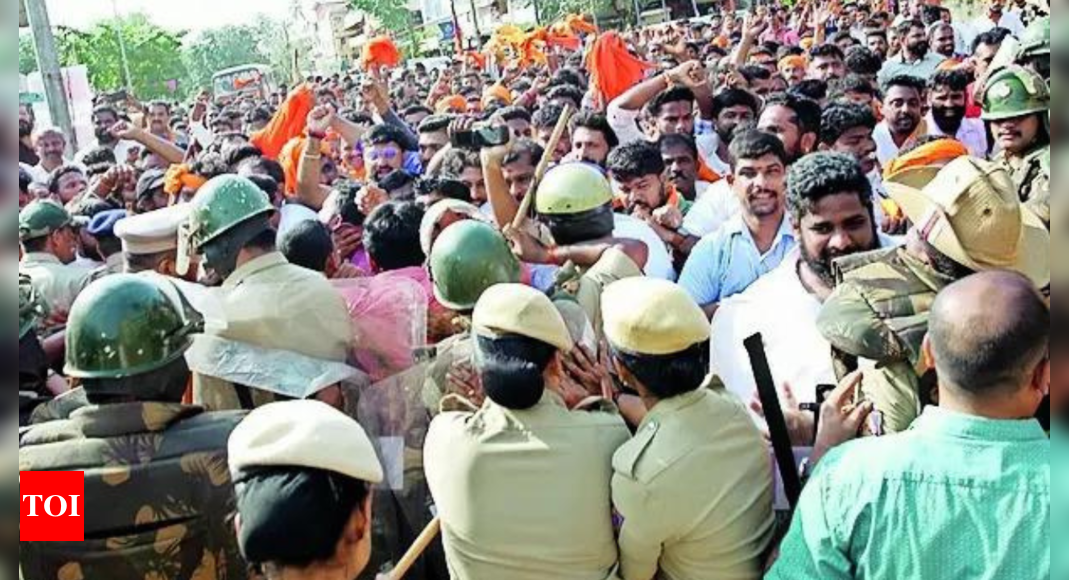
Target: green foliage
x: 553, y: 10
x: 264, y: 41
x: 393, y: 15
x: 27, y: 55
x: 154, y: 55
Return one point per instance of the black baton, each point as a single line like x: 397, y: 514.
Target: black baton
x: 777, y: 424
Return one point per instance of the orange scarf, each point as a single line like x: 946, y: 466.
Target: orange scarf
x: 941, y: 151
x: 288, y: 122
x: 180, y: 177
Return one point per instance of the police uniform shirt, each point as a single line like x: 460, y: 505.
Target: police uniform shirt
x: 613, y: 266
x: 524, y: 495
x: 694, y: 492
x: 56, y: 283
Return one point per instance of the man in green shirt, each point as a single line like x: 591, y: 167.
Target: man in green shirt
x: 967, y: 489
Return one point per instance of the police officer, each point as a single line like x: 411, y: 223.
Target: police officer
x: 574, y: 204
x: 968, y: 219
x: 1033, y: 52
x: 304, y: 508
x: 50, y: 244
x: 102, y: 229
x: 33, y: 363
x: 268, y: 302
x: 693, y: 489
x: 157, y: 492
x: 150, y: 240
x: 1017, y: 108
x: 522, y: 484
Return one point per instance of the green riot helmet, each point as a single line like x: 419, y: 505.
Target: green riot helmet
x: 467, y: 258
x: 227, y: 212
x: 1014, y: 92
x: 1036, y: 39
x: 42, y: 218
x: 124, y: 326
x: 572, y: 188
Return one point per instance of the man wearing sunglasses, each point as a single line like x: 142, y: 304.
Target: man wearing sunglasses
x: 383, y: 152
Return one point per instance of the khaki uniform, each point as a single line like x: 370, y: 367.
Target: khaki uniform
x: 157, y: 489
x: 587, y: 286
x: 694, y: 492
x: 57, y: 284
x: 1031, y: 174
x: 273, y: 304
x: 879, y: 313
x: 115, y: 264
x: 524, y: 495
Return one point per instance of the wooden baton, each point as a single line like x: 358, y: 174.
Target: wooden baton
x: 543, y: 166
x: 421, y: 544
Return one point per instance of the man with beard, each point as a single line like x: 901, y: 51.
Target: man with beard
x: 876, y: 40
x: 384, y: 151
x: 903, y: 104
x: 943, y: 40
x: 848, y: 128
x: 433, y: 137
x: 916, y: 58
x: 946, y: 97
x: 795, y: 120
x: 827, y: 62
x: 592, y: 138
x: 27, y: 120
x: 51, y: 146
x: 159, y: 120
x: 755, y: 242
x: 1017, y: 107
x: 104, y: 118
x: 731, y: 109
x: 831, y: 208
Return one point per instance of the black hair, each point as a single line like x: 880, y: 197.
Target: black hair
x: 417, y: 109
x: 785, y: 51
x: 815, y: 89
x: 907, y: 81
x: 734, y: 98
x: 852, y: 83
x: 569, y: 76
x: 994, y: 37
x: 839, y: 118
x: 817, y: 176
x: 105, y: 110
x: 524, y: 149
x: 385, y: 134
x: 863, y: 61
x: 755, y: 73
x: 635, y: 160
x: 955, y: 79
x: 235, y: 156
x: 268, y: 185
x: 595, y: 122
x: 843, y: 36
x: 210, y: 165
x: 827, y: 50
x: 348, y: 209
x: 90, y: 206
x: 268, y: 167
x: 513, y: 114
x: 570, y: 92
x: 25, y: 181
x: 806, y: 111
x: 669, y: 376
x: 677, y: 140
x: 512, y: 369
x: 753, y: 144
x: 456, y: 161
x: 357, y: 117
x: 307, y: 244
x: 392, y: 237
x: 57, y: 175
x: 99, y: 156
x: 672, y: 95
x: 903, y: 28
x: 546, y: 117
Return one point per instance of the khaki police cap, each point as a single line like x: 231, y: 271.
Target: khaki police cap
x: 971, y: 213
x: 303, y: 434
x: 646, y: 316
x: 152, y: 232
x: 522, y: 310
x: 42, y: 218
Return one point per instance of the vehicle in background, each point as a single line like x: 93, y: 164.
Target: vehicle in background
x: 247, y: 80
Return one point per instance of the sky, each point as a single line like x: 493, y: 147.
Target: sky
x: 190, y: 15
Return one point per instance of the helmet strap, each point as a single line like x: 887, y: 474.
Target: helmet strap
x: 221, y: 254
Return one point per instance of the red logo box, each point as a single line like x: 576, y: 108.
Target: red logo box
x: 52, y: 506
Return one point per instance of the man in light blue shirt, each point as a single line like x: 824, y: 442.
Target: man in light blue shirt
x: 917, y: 58
x: 966, y: 492
x: 727, y: 262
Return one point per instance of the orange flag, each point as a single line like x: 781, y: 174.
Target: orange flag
x: 380, y: 52
x: 288, y: 122
x: 613, y: 69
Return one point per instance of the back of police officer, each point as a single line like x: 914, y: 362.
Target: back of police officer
x: 157, y: 488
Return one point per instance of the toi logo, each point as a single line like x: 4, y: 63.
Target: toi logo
x: 52, y: 506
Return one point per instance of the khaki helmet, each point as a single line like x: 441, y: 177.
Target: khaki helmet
x: 467, y: 258
x: 126, y: 325
x: 572, y: 188
x: 1014, y: 92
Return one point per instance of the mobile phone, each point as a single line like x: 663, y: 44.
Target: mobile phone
x: 481, y: 138
x: 119, y: 96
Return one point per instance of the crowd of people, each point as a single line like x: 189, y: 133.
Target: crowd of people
x: 285, y: 333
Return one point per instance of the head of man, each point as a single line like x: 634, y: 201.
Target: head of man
x: 414, y: 115
x: 680, y: 155
x: 1016, y: 103
x: 903, y: 104
x: 847, y: 128
x: 433, y: 136
x: 795, y: 120
x: 943, y: 39
x: 467, y: 167
x: 392, y: 237
x: 672, y: 111
x: 827, y: 62
x: 830, y: 202
x: 876, y: 41
x: 863, y: 62
x: 759, y: 173
x: 517, y: 119
x: 731, y: 109
x: 545, y: 121
x: 46, y: 228
x: 758, y: 80
x: 639, y: 172
x: 793, y: 69
x: 985, y: 47
x: 67, y: 183
x: 915, y: 42
x: 383, y: 152
x: 947, y: 92
x: 658, y: 338
x: 989, y: 340
x: 104, y: 118
x: 592, y: 137
x: 310, y: 246
x: 566, y: 94
x: 51, y: 143
x: 27, y: 121
x: 519, y: 166
x: 159, y: 118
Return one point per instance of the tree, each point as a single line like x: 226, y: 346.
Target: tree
x: 264, y: 41
x: 27, y: 54
x: 393, y: 15
x: 153, y: 54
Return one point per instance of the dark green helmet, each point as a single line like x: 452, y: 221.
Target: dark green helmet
x: 1036, y: 39
x: 467, y: 258
x: 223, y: 204
x: 42, y: 218
x: 126, y: 325
x: 1014, y: 92
x: 572, y: 188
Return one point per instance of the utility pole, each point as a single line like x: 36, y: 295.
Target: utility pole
x: 122, y: 47
x: 51, y: 73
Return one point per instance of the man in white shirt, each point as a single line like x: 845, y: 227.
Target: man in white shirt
x: 947, y: 94
x: 104, y: 118
x: 902, y: 104
x: 998, y: 16
x: 50, y: 145
x: 831, y: 210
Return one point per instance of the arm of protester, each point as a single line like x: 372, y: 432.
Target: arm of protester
x: 528, y: 249
x: 637, y: 96
x: 504, y: 205
x: 310, y: 192
x: 376, y: 93
x: 168, y: 151
x: 752, y: 29
x: 287, y: 123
